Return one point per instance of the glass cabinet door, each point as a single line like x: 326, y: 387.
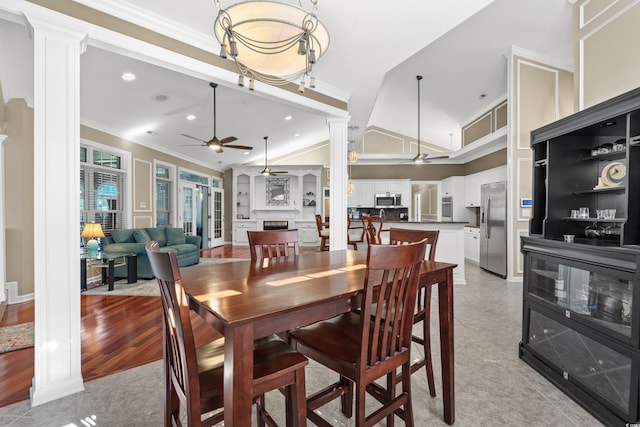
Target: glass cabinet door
x: 605, y: 296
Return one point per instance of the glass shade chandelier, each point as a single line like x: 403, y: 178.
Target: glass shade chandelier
x: 273, y: 42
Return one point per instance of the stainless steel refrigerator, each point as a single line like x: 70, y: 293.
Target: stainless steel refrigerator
x: 493, y: 228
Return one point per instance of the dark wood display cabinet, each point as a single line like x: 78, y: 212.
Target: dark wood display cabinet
x: 580, y: 324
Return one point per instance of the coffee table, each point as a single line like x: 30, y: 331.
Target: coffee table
x: 108, y: 265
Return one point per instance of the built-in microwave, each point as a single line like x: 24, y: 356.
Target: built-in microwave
x: 388, y: 200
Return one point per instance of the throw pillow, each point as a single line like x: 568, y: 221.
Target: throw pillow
x: 175, y: 236
x: 141, y: 236
x: 157, y: 234
x: 122, y: 236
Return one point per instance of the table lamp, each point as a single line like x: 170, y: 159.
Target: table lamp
x: 91, y: 231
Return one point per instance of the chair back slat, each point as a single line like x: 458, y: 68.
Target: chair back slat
x: 399, y: 236
x: 179, y: 345
x: 273, y: 243
x: 391, y: 282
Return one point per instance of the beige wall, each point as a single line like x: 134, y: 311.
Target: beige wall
x: 606, y: 33
x: 540, y: 94
x: 19, y: 214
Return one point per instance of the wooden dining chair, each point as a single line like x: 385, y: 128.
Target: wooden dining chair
x: 423, y: 302
x: 362, y: 347
x: 374, y: 228
x: 354, y: 242
x: 323, y: 233
x: 194, y: 377
x: 273, y: 243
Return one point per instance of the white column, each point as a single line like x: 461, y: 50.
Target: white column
x: 3, y: 250
x: 338, y: 183
x: 57, y: 364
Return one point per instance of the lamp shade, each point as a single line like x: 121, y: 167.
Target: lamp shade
x: 92, y: 230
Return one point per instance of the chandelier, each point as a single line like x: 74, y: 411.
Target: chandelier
x: 273, y: 42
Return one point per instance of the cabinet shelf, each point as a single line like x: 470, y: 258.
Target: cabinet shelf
x: 615, y: 155
x: 618, y: 189
x: 616, y: 220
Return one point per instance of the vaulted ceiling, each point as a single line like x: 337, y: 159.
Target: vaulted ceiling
x: 377, y: 49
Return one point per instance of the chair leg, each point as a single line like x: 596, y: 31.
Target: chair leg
x: 406, y: 388
x: 346, y: 400
x: 259, y: 409
x: 323, y: 244
x: 426, y: 334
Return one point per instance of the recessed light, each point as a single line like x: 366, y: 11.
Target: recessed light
x: 296, y: 135
x: 152, y: 133
x: 128, y: 77
x: 160, y: 97
x: 288, y: 118
x: 246, y: 152
x: 191, y: 117
x: 482, y: 96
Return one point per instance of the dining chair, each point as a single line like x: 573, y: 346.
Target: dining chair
x: 273, y: 243
x: 422, y: 312
x: 374, y: 228
x: 367, y: 345
x: 323, y: 233
x: 194, y: 377
x: 354, y: 242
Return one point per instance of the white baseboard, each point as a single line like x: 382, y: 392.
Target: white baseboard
x: 12, y: 294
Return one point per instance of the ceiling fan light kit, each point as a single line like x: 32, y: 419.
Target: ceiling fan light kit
x: 276, y: 43
x: 266, y: 171
x: 214, y: 143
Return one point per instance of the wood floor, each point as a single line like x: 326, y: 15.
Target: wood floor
x: 118, y: 333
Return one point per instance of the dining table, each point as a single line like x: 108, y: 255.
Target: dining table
x: 248, y: 300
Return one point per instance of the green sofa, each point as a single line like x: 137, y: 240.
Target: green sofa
x: 132, y: 241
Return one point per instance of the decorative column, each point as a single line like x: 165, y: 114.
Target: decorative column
x: 57, y: 51
x: 338, y: 183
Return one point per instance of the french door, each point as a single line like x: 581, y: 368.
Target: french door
x: 188, y: 208
x: 217, y: 218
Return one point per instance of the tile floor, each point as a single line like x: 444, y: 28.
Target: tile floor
x: 493, y: 386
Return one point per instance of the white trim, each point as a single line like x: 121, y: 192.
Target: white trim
x: 520, y: 233
x: 544, y: 59
x: 12, y: 294
x: 3, y: 237
x: 503, y: 99
x: 173, y: 177
x: 556, y: 73
x: 584, y: 23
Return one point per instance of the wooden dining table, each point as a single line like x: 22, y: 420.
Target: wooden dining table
x: 248, y: 300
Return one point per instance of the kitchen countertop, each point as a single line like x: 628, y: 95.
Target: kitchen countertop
x: 425, y: 222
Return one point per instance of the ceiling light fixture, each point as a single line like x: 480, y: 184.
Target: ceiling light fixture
x: 191, y: 117
x: 273, y: 42
x: 128, y: 77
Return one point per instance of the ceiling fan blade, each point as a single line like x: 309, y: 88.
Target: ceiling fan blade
x: 275, y: 172
x: 239, y: 147
x: 228, y: 139
x: 192, y: 145
x: 193, y: 137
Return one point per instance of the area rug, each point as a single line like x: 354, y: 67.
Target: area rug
x: 147, y: 287
x: 16, y: 337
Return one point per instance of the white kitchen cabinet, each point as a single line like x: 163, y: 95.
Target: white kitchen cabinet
x: 362, y: 195
x: 454, y: 187
x: 473, y: 183
x: 307, y: 232
x: 472, y: 244
x: 395, y: 186
x: 239, y: 229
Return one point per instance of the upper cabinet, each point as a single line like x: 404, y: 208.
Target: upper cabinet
x: 364, y: 191
x: 586, y: 179
x: 473, y: 183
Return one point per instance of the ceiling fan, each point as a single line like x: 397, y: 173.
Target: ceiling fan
x: 214, y: 143
x: 266, y: 170
x: 422, y: 158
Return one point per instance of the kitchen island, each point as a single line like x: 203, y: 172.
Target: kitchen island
x: 450, y: 242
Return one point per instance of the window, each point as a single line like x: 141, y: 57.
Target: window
x: 102, y: 188
x: 164, y: 185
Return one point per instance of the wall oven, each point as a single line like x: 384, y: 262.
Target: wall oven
x: 447, y: 208
x: 388, y: 200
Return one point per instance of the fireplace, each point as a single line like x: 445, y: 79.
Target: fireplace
x: 275, y: 225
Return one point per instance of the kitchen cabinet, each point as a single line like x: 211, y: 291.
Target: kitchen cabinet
x: 472, y: 244
x: 474, y: 182
x: 453, y: 187
x: 580, y: 323
x: 362, y: 195
x: 308, y: 233
x: 239, y: 230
